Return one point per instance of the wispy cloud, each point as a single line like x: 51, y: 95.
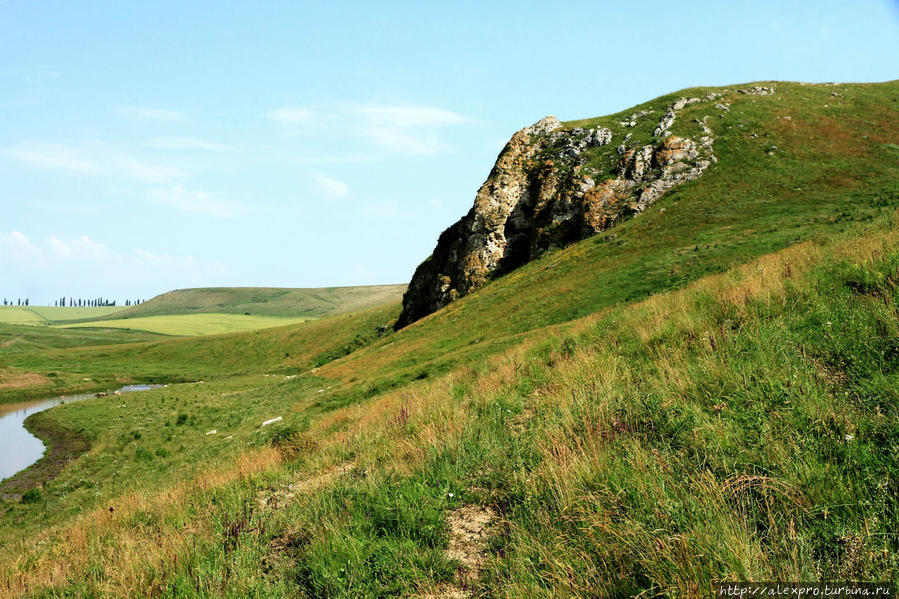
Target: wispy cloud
x: 15, y: 246
x: 188, y: 143
x: 195, y: 201
x: 82, y: 247
x: 404, y: 129
x: 151, y: 114
x: 405, y: 141
x: 90, y: 159
x: 296, y: 116
x: 411, y: 116
x: 331, y: 187
x: 53, y: 156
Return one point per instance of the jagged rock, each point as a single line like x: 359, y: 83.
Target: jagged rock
x: 674, y: 151
x: 634, y: 163
x: 665, y: 123
x: 757, y: 90
x: 721, y: 106
x: 681, y: 102
x: 539, y: 195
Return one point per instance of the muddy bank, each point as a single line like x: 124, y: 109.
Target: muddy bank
x: 63, y: 446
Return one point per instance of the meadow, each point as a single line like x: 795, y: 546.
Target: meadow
x: 38, y: 315
x: 192, y: 324
x: 704, y: 393
x: 266, y: 301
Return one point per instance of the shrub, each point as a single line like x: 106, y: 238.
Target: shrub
x: 32, y: 495
x: 290, y: 441
x: 143, y: 454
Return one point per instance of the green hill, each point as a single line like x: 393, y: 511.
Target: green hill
x: 703, y: 392
x: 266, y: 301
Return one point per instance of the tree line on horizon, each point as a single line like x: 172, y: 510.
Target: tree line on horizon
x: 19, y: 302
x: 72, y: 302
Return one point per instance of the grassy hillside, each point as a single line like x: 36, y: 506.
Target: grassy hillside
x: 706, y: 392
x: 267, y: 301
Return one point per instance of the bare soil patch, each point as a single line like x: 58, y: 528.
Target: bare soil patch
x: 469, y: 530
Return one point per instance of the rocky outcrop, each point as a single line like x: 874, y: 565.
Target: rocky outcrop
x: 541, y: 194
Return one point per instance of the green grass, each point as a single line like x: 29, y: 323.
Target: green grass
x: 50, y: 314
x: 267, y: 301
x: 702, y: 393
x: 17, y: 315
x: 54, y: 314
x: 192, y: 324
x: 108, y: 356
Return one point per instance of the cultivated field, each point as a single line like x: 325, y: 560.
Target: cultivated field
x: 192, y: 324
x: 51, y: 314
x: 267, y: 301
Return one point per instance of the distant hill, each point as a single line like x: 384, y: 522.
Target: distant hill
x: 265, y: 301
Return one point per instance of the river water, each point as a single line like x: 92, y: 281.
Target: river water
x: 19, y: 449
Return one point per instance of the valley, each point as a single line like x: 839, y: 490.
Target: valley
x: 703, y: 390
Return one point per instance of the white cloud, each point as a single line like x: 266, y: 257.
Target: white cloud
x: 196, y: 201
x: 411, y: 116
x: 79, y: 248
x: 295, y: 116
x: 53, y: 156
x: 331, y: 187
x: 16, y: 247
x: 90, y: 159
x: 60, y: 247
x: 403, y: 141
x: 86, y: 248
x: 188, y: 143
x: 147, y: 172
x: 152, y: 114
x: 404, y: 129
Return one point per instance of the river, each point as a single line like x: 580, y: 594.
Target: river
x: 19, y: 449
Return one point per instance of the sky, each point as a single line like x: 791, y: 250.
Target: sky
x: 150, y: 146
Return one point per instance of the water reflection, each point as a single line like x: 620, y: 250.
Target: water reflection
x: 19, y: 449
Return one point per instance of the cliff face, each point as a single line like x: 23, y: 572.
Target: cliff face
x: 542, y: 193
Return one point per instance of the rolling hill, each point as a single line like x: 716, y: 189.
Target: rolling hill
x: 265, y: 301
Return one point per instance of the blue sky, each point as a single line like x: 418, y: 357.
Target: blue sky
x: 152, y: 146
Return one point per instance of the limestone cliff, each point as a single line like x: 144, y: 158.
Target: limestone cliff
x: 542, y: 193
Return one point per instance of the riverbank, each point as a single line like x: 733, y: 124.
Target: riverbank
x: 100, y: 384
x: 63, y: 446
